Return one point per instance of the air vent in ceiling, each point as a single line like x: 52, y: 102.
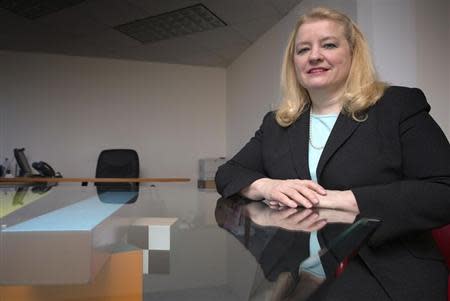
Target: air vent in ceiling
x: 172, y: 24
x: 33, y: 9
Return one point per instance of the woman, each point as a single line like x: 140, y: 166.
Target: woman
x: 341, y: 139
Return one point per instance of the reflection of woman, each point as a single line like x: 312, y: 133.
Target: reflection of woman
x: 279, y: 252
x: 343, y: 140
x: 296, y: 219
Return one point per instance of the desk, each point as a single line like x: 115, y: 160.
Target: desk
x: 164, y: 242
x: 24, y: 180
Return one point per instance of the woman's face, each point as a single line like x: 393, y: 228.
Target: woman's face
x: 322, y: 56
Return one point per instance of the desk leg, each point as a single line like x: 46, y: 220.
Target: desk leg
x: 121, y: 279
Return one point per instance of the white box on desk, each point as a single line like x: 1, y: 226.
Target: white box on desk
x: 207, y: 167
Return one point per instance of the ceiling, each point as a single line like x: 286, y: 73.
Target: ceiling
x: 87, y: 28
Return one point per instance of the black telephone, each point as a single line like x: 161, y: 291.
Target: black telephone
x: 45, y: 169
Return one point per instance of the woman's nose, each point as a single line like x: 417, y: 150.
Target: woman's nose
x: 315, y: 54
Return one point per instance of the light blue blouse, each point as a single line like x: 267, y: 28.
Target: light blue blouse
x: 320, y: 129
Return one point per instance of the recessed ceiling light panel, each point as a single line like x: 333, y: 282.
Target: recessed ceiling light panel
x: 172, y: 24
x: 33, y: 9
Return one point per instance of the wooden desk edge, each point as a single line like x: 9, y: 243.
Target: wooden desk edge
x: 98, y: 180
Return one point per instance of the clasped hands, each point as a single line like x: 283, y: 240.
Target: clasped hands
x: 304, y: 193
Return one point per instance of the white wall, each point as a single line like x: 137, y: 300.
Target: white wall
x: 433, y: 62
x: 64, y: 110
x: 253, y: 80
x: 410, y: 41
x: 390, y: 29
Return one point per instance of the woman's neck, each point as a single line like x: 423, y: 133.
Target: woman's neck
x: 325, y: 103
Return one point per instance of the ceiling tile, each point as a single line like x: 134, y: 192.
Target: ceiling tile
x: 74, y: 20
x: 253, y: 29
x: 110, y: 38
x: 166, y: 49
x: 14, y: 24
x: 3, y: 12
x: 37, y: 8
x: 284, y: 6
x: 114, y: 12
x: 159, y: 7
x: 81, y: 47
x: 49, y: 42
x: 219, y: 38
x: 236, y: 11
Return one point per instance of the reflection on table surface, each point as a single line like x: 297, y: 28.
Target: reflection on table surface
x: 190, y: 243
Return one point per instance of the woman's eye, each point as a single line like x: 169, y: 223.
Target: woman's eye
x: 302, y: 50
x: 329, y: 45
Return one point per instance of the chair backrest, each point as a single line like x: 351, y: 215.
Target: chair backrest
x: 117, y: 163
x: 442, y: 238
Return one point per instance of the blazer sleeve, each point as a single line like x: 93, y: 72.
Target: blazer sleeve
x: 245, y: 167
x: 421, y: 201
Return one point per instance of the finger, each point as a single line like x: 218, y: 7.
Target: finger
x: 310, y: 220
x: 313, y: 185
x: 306, y: 192
x: 290, y: 196
x: 298, y: 196
x: 301, y: 215
x: 309, y: 194
x: 304, y: 202
x: 285, y: 200
x: 318, y: 225
x: 274, y: 207
x: 316, y: 187
x: 285, y: 212
x: 306, y: 223
x: 289, y: 212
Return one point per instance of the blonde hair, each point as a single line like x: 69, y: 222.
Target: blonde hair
x: 362, y: 88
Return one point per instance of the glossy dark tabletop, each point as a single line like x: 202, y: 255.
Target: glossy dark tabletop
x: 195, y: 245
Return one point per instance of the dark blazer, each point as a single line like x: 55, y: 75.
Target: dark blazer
x: 397, y: 163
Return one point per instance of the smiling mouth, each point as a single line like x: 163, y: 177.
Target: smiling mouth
x: 317, y: 70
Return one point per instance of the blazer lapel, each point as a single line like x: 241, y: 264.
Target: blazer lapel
x: 341, y: 131
x: 298, y: 134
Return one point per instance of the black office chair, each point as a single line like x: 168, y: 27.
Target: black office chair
x: 118, y: 163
